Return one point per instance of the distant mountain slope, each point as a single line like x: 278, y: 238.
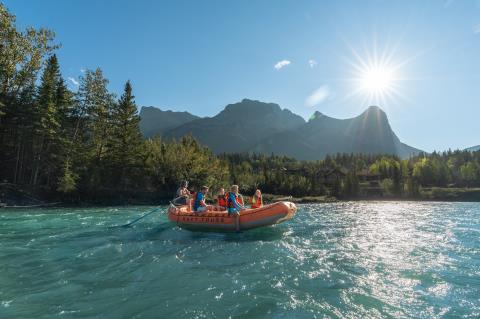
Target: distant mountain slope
x: 368, y: 133
x: 155, y: 121
x: 265, y: 128
x: 473, y: 148
x: 240, y: 126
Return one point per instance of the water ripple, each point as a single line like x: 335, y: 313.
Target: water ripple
x: 339, y: 260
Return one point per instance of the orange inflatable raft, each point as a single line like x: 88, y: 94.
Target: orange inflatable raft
x: 220, y: 221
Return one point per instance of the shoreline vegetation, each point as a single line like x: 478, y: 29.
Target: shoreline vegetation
x: 431, y: 194
x: 84, y: 147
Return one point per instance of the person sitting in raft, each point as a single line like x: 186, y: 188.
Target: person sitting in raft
x: 182, y: 195
x: 193, y: 195
x: 257, y: 200
x: 233, y: 204
x: 199, y: 204
x: 240, y: 199
x: 221, y: 200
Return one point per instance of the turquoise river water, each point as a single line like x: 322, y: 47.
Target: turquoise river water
x: 340, y: 260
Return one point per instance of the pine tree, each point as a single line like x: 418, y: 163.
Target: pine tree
x: 21, y: 57
x: 93, y: 123
x: 126, y: 140
x: 68, y: 180
x: 64, y: 145
x: 46, y: 123
x: 24, y: 138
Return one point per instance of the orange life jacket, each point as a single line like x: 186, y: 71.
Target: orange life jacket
x: 257, y: 202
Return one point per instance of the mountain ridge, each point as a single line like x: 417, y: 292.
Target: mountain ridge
x: 369, y: 132
x: 154, y: 121
x: 473, y: 148
x: 255, y: 126
x: 239, y: 126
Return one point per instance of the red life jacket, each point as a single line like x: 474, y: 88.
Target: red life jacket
x: 222, y: 201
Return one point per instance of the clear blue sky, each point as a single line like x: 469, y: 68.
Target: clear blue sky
x: 201, y: 55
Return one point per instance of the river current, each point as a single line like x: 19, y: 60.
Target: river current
x: 339, y: 260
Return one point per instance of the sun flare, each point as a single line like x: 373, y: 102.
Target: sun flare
x: 377, y: 79
x: 377, y: 76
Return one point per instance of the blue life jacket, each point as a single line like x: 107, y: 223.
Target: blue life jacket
x: 198, y: 198
x: 232, y: 203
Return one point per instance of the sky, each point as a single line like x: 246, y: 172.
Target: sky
x: 417, y: 60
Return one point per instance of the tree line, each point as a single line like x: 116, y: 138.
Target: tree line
x: 355, y: 175
x: 85, y: 145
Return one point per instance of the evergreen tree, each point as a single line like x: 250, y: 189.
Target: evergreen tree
x: 21, y: 57
x: 125, y: 148
x: 47, y: 124
x: 93, y: 124
x: 351, y: 185
x: 23, y: 140
x: 67, y: 182
x: 97, y: 104
x: 397, y: 179
x: 64, y: 143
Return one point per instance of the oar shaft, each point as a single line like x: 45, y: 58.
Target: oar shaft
x: 141, y: 217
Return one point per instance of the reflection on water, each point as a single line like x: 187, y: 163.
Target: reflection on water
x: 341, y: 260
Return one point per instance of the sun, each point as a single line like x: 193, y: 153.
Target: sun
x: 377, y: 79
x: 377, y: 76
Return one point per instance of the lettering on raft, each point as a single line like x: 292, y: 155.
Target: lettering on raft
x: 203, y: 219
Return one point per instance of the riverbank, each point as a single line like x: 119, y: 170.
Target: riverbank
x: 426, y: 194
x: 443, y: 194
